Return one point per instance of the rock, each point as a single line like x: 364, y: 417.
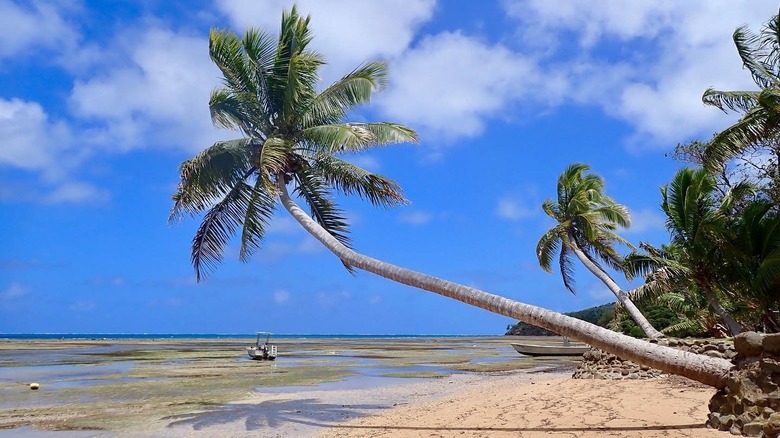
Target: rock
x: 772, y: 426
x: 753, y: 429
x: 771, y: 343
x: 748, y: 344
x: 726, y: 421
x: 34, y: 386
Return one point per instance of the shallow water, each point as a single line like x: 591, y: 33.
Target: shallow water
x: 126, y: 381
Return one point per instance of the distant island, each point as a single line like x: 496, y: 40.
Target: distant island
x: 599, y: 315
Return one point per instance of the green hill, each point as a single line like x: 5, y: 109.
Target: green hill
x: 599, y: 315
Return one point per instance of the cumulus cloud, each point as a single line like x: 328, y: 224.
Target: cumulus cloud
x: 157, y: 98
x: 35, y: 143
x: 686, y: 48
x: 33, y: 25
x: 348, y: 32
x: 450, y: 83
x: 31, y: 140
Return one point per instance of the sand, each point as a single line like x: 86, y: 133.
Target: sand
x: 500, y: 406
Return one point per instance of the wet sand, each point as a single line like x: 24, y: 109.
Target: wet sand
x: 442, y: 387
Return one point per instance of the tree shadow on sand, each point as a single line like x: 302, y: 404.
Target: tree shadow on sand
x: 273, y: 413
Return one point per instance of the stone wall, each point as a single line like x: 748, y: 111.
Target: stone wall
x: 597, y: 364
x: 750, y: 403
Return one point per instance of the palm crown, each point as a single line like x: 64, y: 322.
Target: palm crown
x: 291, y: 134
x: 586, y: 219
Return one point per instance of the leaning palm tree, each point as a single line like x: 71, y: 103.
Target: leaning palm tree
x: 760, y: 124
x: 291, y: 134
x: 586, y: 220
x: 291, y: 137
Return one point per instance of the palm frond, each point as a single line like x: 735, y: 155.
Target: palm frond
x: 548, y: 246
x: 314, y: 191
x: 259, y: 211
x: 750, y: 51
x: 210, y: 175
x: 741, y: 101
x: 218, y: 226
x: 757, y: 125
x: 227, y: 52
x: 356, y: 88
x: 566, y: 265
x: 353, y: 180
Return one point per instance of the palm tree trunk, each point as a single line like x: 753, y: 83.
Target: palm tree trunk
x: 734, y: 328
x: 622, y: 297
x: 708, y: 370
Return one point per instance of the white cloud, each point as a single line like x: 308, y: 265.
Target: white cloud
x: 646, y: 220
x: 281, y: 296
x: 514, y: 209
x: 14, y: 291
x: 33, y: 25
x: 684, y: 48
x: 157, y: 98
x: 347, y: 32
x: 31, y: 141
x: 450, y: 83
x: 415, y: 217
x: 76, y: 193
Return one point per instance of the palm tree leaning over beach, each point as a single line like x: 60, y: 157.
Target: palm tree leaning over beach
x: 291, y: 136
x: 586, y: 220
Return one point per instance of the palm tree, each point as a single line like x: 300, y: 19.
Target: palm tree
x: 756, y: 251
x: 696, y: 225
x: 760, y: 124
x: 291, y: 136
x: 670, y: 281
x: 586, y: 220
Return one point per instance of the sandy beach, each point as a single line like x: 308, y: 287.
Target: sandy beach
x: 335, y: 388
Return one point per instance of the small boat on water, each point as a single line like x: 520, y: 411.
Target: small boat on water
x: 264, y: 351
x: 566, y: 349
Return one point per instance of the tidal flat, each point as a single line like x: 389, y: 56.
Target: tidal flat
x: 123, y: 385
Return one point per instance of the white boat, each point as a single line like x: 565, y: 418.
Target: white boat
x: 566, y: 349
x: 264, y: 351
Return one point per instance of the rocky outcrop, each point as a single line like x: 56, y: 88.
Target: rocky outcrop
x: 750, y: 403
x: 597, y: 364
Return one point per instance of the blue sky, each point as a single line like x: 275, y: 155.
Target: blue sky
x: 100, y: 101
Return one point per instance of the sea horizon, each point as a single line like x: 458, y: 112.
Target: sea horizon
x: 97, y: 335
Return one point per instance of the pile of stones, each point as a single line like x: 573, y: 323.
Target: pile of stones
x: 597, y: 364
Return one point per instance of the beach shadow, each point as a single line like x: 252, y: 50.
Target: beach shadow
x: 273, y: 413
x: 523, y: 429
